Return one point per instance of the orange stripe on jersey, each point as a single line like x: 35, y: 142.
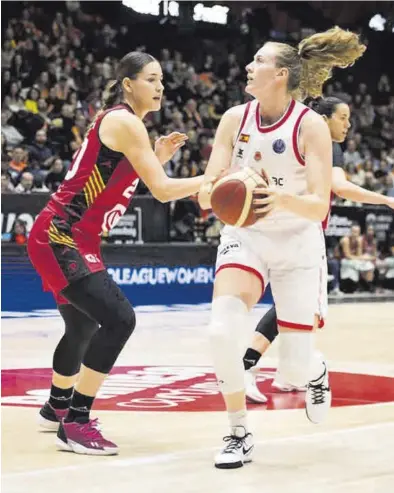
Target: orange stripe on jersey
x: 57, y: 237
x: 99, y: 178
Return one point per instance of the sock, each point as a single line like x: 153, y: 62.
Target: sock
x: 80, y: 407
x: 251, y: 358
x: 238, y: 418
x: 60, y: 398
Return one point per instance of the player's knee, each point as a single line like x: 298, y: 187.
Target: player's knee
x: 228, y: 317
x: 125, y: 327
x: 296, y: 353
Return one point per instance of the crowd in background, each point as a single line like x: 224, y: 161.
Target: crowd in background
x: 54, y: 71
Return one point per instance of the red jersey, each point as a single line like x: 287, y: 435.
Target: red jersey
x: 97, y: 189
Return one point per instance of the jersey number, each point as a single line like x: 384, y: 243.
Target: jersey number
x: 75, y: 165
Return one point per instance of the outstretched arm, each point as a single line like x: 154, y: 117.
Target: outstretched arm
x: 347, y: 190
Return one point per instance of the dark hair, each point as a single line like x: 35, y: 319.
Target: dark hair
x: 326, y: 106
x: 129, y: 66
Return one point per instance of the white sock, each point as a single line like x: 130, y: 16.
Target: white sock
x: 239, y: 418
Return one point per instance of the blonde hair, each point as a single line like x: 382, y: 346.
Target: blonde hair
x: 310, y: 64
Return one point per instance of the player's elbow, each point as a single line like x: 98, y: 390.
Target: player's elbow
x: 160, y: 192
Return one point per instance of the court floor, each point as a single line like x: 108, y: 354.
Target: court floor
x: 161, y: 406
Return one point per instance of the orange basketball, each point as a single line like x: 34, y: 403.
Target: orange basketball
x: 232, y: 196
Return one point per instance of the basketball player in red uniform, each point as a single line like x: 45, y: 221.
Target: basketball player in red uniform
x: 64, y: 246
x: 293, y: 146
x: 337, y: 115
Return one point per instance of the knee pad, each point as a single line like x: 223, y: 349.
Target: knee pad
x: 296, y: 357
x: 228, y: 317
x: 109, y: 341
x: 268, y: 325
x: 79, y: 330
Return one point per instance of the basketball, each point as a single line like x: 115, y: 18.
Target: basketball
x: 232, y: 196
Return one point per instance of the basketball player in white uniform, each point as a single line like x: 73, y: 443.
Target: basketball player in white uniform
x: 337, y: 116
x: 293, y: 146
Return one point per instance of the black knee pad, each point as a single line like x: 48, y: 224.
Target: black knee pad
x: 108, y: 342
x: 101, y: 299
x: 268, y: 325
x: 79, y: 330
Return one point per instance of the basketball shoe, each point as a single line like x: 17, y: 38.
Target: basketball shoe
x: 49, y: 418
x: 318, y: 397
x: 84, y: 437
x: 252, y: 392
x: 283, y: 386
x: 238, y: 451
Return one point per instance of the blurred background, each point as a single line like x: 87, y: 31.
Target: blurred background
x: 56, y: 60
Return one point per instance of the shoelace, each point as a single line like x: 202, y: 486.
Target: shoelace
x: 318, y: 393
x: 234, y: 444
x: 91, y: 429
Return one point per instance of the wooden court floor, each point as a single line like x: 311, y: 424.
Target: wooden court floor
x: 162, y: 408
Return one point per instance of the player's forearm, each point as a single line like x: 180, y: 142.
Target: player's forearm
x: 179, y: 188
x: 350, y: 191
x: 310, y: 206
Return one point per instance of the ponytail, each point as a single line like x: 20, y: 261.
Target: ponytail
x: 112, y: 94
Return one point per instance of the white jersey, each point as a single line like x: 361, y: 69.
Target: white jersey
x: 275, y: 149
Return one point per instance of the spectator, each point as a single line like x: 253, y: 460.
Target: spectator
x: 11, y: 133
x: 40, y: 154
x: 6, y: 185
x: 351, y: 155
x: 17, y: 164
x: 354, y: 264
x: 56, y: 175
x: 32, y: 100
x: 26, y: 183
x: 19, y: 233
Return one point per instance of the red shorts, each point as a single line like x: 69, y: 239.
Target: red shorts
x: 61, y: 255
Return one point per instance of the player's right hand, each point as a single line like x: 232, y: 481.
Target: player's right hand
x: 265, y: 199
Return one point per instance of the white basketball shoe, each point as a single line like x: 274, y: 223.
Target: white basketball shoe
x: 252, y: 392
x: 318, y: 397
x: 280, y: 384
x: 238, y: 450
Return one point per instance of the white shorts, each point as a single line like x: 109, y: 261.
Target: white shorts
x: 294, y: 263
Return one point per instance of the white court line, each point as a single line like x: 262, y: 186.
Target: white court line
x: 154, y: 459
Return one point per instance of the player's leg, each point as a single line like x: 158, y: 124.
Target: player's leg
x: 79, y: 329
x: 265, y: 333
x: 238, y: 286
x: 99, y: 297
x: 299, y: 302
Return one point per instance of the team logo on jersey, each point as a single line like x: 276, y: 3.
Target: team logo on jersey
x: 244, y: 138
x: 240, y: 153
x: 279, y: 146
x: 257, y: 156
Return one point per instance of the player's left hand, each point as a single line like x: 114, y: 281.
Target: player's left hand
x: 167, y: 145
x: 265, y: 199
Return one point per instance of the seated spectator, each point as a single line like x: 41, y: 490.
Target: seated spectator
x: 11, y: 133
x: 354, y: 265
x: 26, y: 183
x: 19, y: 233
x: 56, y: 175
x: 385, y: 265
x: 39, y: 152
x: 17, y: 164
x: 190, y: 113
x: 6, y: 185
x: 32, y: 100
x: 351, y: 155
